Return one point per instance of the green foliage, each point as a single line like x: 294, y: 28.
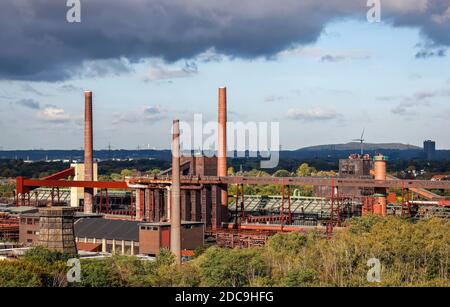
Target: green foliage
x: 362, y: 225
x: 304, y: 170
x: 43, y: 256
x: 282, y: 173
x: 231, y: 267
x: 299, y: 278
x: 100, y: 273
x: 286, y: 243
x: 153, y: 172
x: 6, y: 190
x: 21, y: 274
x: 165, y: 257
x: 230, y: 171
x: 38, y: 268
x: 410, y: 254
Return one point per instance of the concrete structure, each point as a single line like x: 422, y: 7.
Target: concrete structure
x: 77, y: 194
x: 154, y: 236
x: 56, y: 229
x: 199, y: 165
x: 429, y: 149
x: 380, y: 205
x: 356, y: 166
x: 88, y: 151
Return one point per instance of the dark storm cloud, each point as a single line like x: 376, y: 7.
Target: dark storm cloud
x: 425, y: 54
x: 38, y: 43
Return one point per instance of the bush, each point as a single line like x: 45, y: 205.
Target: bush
x: 100, y: 273
x: 231, y: 267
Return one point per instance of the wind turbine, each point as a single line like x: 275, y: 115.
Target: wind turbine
x: 361, y: 140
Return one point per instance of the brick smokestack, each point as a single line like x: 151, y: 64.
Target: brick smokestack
x: 88, y: 151
x: 222, y: 149
x: 175, y: 209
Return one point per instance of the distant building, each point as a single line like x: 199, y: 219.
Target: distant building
x: 356, y: 166
x: 429, y: 148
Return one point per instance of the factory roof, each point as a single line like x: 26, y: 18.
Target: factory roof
x: 99, y: 228
x: 184, y: 223
x: 17, y: 210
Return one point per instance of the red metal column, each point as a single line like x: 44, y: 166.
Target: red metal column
x: 100, y: 205
x: 107, y: 201
x: 289, y: 205
x: 242, y: 203
x: 282, y: 206
x: 236, y: 208
x: 332, y: 206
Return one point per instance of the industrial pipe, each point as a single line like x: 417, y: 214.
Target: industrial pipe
x: 175, y: 216
x: 88, y: 151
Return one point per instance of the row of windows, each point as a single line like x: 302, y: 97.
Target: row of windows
x: 155, y: 228
x: 29, y: 221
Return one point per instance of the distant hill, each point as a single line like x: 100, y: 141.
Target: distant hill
x: 356, y: 146
x: 330, y: 152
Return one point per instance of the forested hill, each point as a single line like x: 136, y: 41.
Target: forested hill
x: 394, y: 151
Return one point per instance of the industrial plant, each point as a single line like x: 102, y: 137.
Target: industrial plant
x: 190, y: 205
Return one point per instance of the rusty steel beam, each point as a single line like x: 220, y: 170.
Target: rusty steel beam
x: 62, y: 174
x: 338, y: 182
x: 299, y: 181
x: 35, y: 183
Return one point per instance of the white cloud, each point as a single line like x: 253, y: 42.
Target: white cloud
x: 314, y: 114
x: 274, y: 98
x: 54, y: 114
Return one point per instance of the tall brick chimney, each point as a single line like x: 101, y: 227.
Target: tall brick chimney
x: 175, y: 214
x: 222, y: 148
x: 88, y: 151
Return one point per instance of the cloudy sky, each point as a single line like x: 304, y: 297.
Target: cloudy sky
x: 316, y: 66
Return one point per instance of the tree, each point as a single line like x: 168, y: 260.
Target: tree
x: 231, y: 267
x: 230, y: 171
x: 281, y: 173
x: 153, y: 172
x: 100, y: 273
x: 304, y: 170
x: 127, y: 172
